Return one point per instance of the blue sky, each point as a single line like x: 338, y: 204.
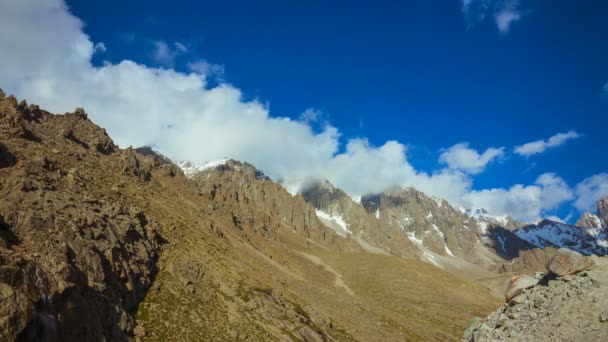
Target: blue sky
x: 426, y: 74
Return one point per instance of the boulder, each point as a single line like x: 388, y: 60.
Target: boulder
x: 518, y: 284
x: 568, y: 262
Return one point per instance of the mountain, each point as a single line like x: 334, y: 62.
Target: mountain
x: 590, y: 220
x: 406, y: 222
x: 103, y: 243
x: 337, y: 210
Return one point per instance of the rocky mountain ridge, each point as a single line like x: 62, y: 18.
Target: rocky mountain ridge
x: 103, y: 243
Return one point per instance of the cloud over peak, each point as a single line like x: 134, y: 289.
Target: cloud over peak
x: 590, y: 190
x: 529, y: 202
x: 539, y: 146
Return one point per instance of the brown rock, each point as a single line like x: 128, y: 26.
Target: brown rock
x: 568, y: 262
x: 518, y: 284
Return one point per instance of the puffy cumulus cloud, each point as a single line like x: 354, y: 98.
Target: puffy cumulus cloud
x: 182, y: 116
x: 461, y: 157
x: 526, y: 203
x: 504, y: 13
x: 46, y: 58
x: 590, y: 190
x: 539, y: 146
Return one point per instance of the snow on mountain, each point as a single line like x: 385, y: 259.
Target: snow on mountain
x: 337, y: 220
x: 549, y: 233
x: 190, y: 168
x: 427, y: 255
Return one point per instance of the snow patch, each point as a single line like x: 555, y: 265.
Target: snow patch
x: 412, y: 237
x: 442, y: 236
x: 190, y: 169
x: 336, y: 219
x: 586, y: 241
x: 439, y: 201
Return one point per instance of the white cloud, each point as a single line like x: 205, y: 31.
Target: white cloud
x: 181, y: 47
x: 163, y: 54
x: 539, y: 146
x: 461, y: 157
x: 590, y: 190
x: 504, y: 12
x: 311, y: 115
x: 527, y: 203
x: 203, y: 67
x: 100, y: 47
x: 506, y: 15
x: 186, y: 118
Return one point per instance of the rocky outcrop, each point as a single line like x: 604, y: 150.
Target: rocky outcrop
x: 569, y: 303
x: 76, y: 254
x: 602, y: 211
x: 588, y: 220
x: 257, y: 204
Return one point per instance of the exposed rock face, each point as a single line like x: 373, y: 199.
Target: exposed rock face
x: 602, y: 211
x: 257, y: 204
x: 347, y: 217
x: 434, y: 226
x: 76, y: 256
x: 558, y: 308
x: 588, y: 220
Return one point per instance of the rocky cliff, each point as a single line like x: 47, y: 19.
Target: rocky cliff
x: 348, y: 218
x: 78, y: 250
